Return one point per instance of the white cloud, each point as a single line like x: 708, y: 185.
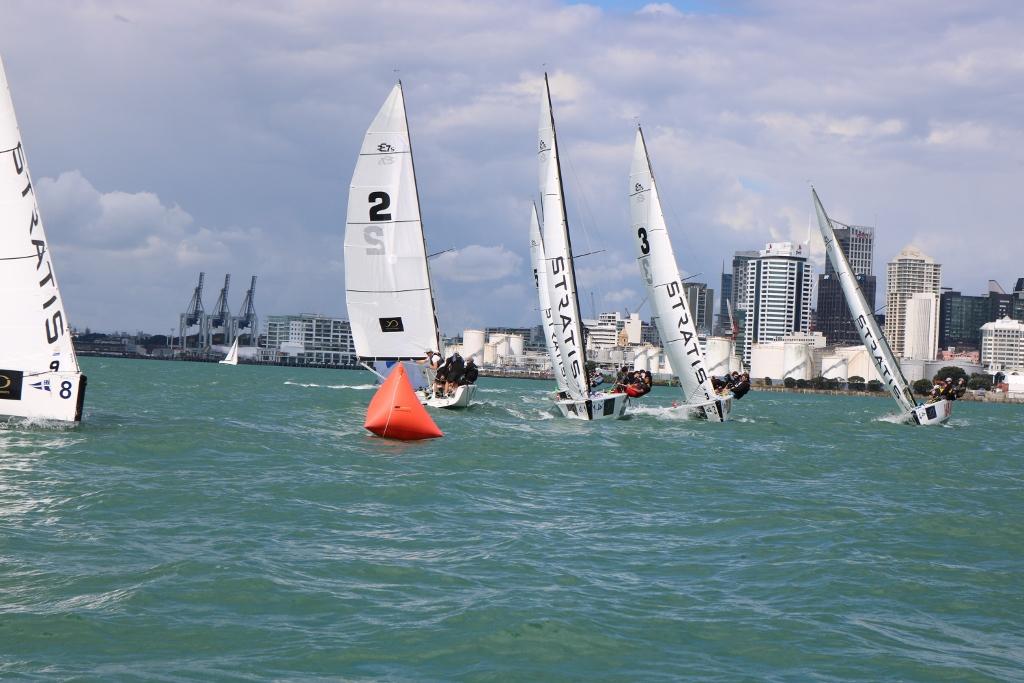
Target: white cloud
x: 659, y: 9
x: 476, y: 263
x: 967, y: 134
x: 222, y: 136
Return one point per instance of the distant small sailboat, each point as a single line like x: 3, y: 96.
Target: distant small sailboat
x: 232, y: 357
x: 39, y: 373
x: 871, y: 335
x: 576, y: 398
x: 669, y: 306
x: 387, y: 279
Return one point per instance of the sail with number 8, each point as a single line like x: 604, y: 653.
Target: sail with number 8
x: 387, y: 280
x: 39, y: 373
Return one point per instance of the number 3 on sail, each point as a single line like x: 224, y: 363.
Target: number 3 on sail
x: 39, y: 374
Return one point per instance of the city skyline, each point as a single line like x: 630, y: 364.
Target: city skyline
x: 168, y: 141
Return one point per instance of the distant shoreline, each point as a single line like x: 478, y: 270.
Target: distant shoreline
x: 988, y: 397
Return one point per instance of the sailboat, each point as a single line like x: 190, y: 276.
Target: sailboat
x: 232, y: 357
x: 871, y: 335
x: 387, y: 280
x: 576, y: 398
x: 39, y: 373
x: 669, y: 307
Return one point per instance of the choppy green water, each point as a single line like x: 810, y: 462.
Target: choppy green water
x: 218, y: 523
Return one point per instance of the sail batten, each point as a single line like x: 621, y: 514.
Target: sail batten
x: 660, y: 273
x: 864, y: 318
x: 387, y: 278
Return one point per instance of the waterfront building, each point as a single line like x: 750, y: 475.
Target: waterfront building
x: 921, y: 326
x: 777, y: 300
x: 737, y: 294
x: 960, y: 319
x: 701, y: 300
x: 1002, y: 345
x: 833, y: 314
x: 308, y: 339
x: 911, y: 272
x: 723, y: 306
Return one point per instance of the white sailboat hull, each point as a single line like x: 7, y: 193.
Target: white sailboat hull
x: 597, y: 407
x: 460, y: 399
x: 229, y: 362
x: 56, y: 396
x: 931, y: 413
x: 717, y: 410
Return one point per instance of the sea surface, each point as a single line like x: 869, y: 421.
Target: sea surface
x: 210, y: 523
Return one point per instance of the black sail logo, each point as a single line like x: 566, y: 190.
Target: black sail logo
x: 391, y: 324
x: 10, y: 385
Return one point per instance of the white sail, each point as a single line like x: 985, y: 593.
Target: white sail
x: 669, y: 306
x: 39, y: 373
x: 387, y: 283
x: 863, y: 316
x: 564, y: 301
x: 540, y: 279
x: 232, y: 357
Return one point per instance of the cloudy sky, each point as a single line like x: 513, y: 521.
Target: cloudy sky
x: 172, y: 138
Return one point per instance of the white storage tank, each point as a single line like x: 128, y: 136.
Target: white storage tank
x: 516, y: 345
x: 718, y: 357
x: 654, y: 359
x: 473, y: 345
x: 835, y: 367
x: 641, y: 359
x: 796, y: 360
x: 490, y: 354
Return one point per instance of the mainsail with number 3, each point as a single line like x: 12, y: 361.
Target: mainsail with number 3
x: 39, y: 373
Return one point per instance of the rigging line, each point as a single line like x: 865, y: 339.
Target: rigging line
x: 580, y: 207
x: 443, y: 251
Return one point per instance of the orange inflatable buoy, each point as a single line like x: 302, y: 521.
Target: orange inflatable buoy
x: 395, y: 411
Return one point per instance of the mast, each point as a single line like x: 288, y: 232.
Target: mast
x: 568, y: 242
x: 419, y: 211
x: 867, y: 327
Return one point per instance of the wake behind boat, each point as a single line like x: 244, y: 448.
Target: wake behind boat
x: 871, y: 335
x: 39, y: 373
x: 387, y: 279
x: 560, y: 309
x: 669, y: 306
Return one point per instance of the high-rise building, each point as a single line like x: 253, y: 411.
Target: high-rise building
x: 960, y: 319
x: 701, y: 300
x: 910, y: 273
x: 921, y: 327
x: 726, y: 296
x: 833, y: 314
x: 778, y: 294
x: 738, y: 294
x: 1002, y: 345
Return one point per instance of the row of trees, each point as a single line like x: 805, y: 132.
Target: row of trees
x: 855, y: 383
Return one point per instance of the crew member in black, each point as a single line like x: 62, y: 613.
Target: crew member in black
x: 740, y: 389
x: 471, y: 372
x: 455, y: 370
x: 960, y: 389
